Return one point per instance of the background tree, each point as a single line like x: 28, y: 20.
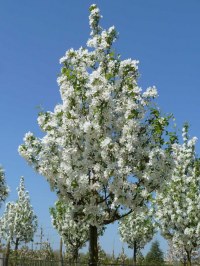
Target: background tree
x: 137, y: 229
x: 3, y: 187
x: 122, y: 258
x: 155, y: 255
x: 75, y: 234
x: 179, y: 201
x: 140, y: 258
x: 104, y: 258
x: 46, y: 252
x: 18, y: 223
x: 25, y: 220
x: 175, y: 255
x: 7, y: 227
x: 104, y: 132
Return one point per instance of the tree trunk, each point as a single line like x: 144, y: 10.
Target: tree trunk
x: 189, y: 259
x: 16, y: 244
x: 61, y: 254
x: 16, y: 249
x: 134, y: 253
x: 7, y: 253
x: 75, y: 256
x: 93, y: 246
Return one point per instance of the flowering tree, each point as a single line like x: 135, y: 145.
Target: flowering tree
x: 74, y: 234
x: 18, y: 223
x: 179, y: 201
x: 25, y: 220
x: 102, y: 146
x: 137, y: 229
x: 3, y: 187
x: 7, y: 226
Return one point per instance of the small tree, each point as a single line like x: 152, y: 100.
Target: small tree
x: 3, y: 187
x: 137, y: 229
x: 26, y: 220
x: 102, y: 146
x: 74, y: 234
x: 178, y: 202
x: 7, y: 222
x: 155, y: 255
x: 122, y: 257
x: 18, y: 223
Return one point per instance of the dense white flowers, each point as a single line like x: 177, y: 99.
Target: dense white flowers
x: 137, y: 229
x: 179, y: 201
x: 102, y: 144
x: 74, y: 234
x: 3, y: 187
x: 18, y: 223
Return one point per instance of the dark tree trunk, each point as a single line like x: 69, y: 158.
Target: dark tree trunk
x: 75, y: 256
x: 134, y: 253
x: 189, y: 259
x: 16, y: 244
x: 61, y: 252
x: 93, y: 246
x: 16, y: 249
x: 7, y: 253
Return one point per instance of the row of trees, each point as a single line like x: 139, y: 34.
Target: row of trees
x: 109, y: 155
x: 155, y: 256
x: 46, y: 255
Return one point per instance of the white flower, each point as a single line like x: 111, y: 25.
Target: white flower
x: 150, y: 92
x: 105, y: 142
x: 86, y: 126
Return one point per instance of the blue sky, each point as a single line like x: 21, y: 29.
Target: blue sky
x: 162, y: 35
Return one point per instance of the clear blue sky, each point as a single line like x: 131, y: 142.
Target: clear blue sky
x: 162, y: 35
